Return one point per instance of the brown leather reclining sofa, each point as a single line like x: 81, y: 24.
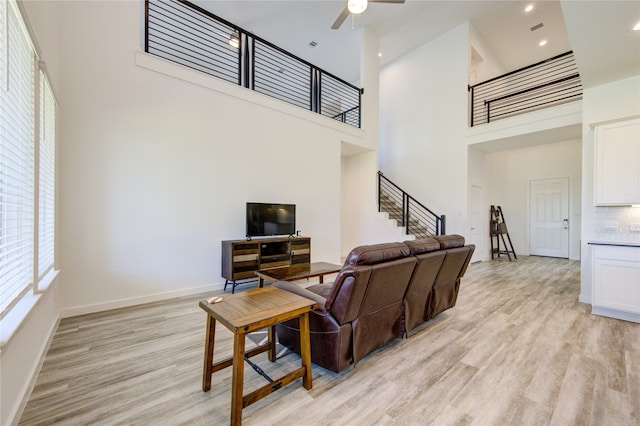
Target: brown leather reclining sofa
x: 382, y: 292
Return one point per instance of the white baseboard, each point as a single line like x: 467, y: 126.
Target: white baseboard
x: 132, y: 301
x: 36, y: 371
x: 612, y: 313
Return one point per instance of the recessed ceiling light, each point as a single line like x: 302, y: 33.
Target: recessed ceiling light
x: 636, y: 27
x: 529, y: 8
x: 542, y: 43
x: 380, y: 54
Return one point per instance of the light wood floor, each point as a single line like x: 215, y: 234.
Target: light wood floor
x: 517, y: 349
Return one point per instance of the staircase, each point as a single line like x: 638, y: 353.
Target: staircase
x: 387, y: 205
x: 415, y: 218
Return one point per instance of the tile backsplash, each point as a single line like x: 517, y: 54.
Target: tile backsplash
x: 618, y: 223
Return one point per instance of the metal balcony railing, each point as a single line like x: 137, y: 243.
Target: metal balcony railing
x: 189, y: 35
x: 551, y: 82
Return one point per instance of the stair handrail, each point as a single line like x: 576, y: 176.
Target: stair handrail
x: 437, y: 222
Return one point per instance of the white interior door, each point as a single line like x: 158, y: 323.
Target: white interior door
x: 549, y: 217
x: 476, y: 233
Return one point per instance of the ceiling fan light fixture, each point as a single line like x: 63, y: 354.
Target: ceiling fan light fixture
x: 357, y: 6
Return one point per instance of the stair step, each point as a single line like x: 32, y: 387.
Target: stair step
x: 391, y: 200
x: 395, y: 212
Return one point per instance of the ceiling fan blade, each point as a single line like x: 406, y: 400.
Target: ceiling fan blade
x: 386, y: 1
x: 343, y: 16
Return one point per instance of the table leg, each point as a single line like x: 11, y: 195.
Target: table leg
x: 209, y: 341
x: 260, y: 282
x: 237, y: 378
x: 321, y: 277
x: 272, y: 343
x: 305, y: 350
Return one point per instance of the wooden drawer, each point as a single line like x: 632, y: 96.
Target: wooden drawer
x: 300, y: 259
x: 300, y: 244
x: 246, y: 257
x: 246, y: 248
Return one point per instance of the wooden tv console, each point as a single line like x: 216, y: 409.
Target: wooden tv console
x: 241, y: 259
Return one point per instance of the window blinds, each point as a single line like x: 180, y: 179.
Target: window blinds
x: 17, y: 130
x: 46, y: 177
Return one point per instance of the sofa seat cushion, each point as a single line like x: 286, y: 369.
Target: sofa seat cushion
x: 321, y: 289
x: 304, y: 292
x: 376, y: 253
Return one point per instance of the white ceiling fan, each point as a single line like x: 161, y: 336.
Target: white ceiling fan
x: 356, y: 7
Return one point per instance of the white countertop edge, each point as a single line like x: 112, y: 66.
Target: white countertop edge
x: 615, y: 243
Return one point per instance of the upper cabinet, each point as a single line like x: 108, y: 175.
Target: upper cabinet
x: 617, y: 152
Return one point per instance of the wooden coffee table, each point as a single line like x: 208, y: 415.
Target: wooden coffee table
x: 244, y: 313
x: 315, y: 269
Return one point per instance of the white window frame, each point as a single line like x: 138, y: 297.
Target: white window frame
x: 38, y: 242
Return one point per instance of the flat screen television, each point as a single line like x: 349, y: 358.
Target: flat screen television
x: 265, y: 219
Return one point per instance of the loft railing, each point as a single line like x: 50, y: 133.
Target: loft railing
x: 551, y: 82
x: 406, y: 210
x: 184, y: 33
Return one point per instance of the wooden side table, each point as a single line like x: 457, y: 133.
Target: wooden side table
x: 244, y: 313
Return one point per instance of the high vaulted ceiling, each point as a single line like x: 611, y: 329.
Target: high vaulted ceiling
x: 598, y: 31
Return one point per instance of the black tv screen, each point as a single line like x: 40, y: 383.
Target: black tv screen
x: 270, y: 219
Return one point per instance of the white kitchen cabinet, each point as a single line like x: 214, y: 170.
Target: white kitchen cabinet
x: 616, y: 282
x: 617, y: 161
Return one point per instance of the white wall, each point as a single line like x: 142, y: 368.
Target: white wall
x: 156, y: 171
x: 361, y: 222
x: 22, y: 355
x: 611, y: 101
x: 423, y: 118
x: 490, y: 66
x: 510, y: 175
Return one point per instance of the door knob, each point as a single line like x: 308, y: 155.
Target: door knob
x: 565, y: 223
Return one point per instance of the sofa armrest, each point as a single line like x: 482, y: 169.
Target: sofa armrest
x: 301, y: 291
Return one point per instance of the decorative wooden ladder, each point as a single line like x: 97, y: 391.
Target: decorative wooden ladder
x: 498, y: 229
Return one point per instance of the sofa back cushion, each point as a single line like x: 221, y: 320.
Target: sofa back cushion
x: 417, y: 297
x: 346, y: 294
x: 453, y: 266
x: 445, y: 289
x: 380, y: 316
x: 376, y: 253
x: 423, y: 245
x: 449, y: 241
x: 344, y: 299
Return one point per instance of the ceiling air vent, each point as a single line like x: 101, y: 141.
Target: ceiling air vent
x: 537, y: 27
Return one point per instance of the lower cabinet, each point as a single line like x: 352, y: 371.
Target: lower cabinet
x: 241, y: 259
x: 616, y: 282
